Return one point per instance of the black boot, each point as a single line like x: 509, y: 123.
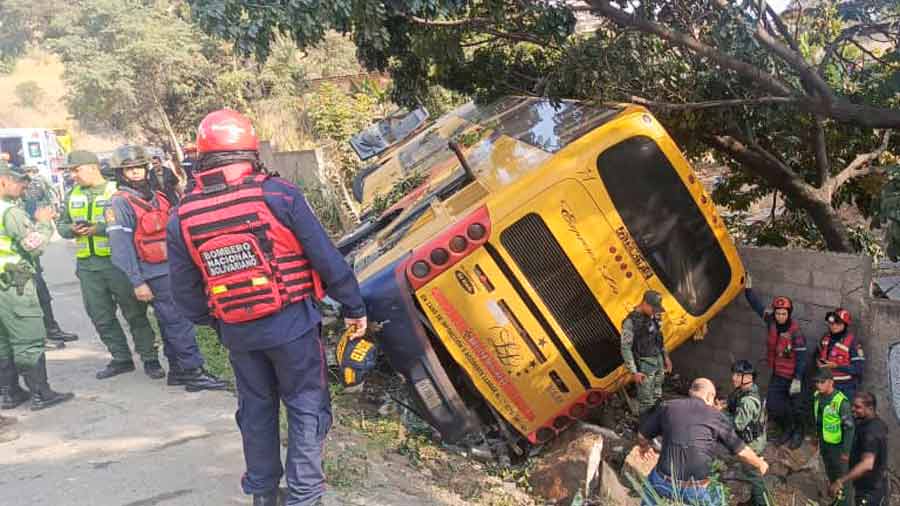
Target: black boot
x: 11, y: 393
x: 56, y: 334
x: 198, y: 379
x: 115, y: 368
x: 42, y: 396
x: 787, y: 431
x: 796, y: 437
x: 175, y: 377
x: 268, y: 499
x: 154, y: 370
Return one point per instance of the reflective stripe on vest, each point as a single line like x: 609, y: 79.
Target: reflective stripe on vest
x: 252, y: 264
x: 80, y: 209
x: 832, y: 430
x: 840, y: 354
x: 785, y: 357
x: 8, y: 254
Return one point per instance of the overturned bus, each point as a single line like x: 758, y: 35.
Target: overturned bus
x: 503, y: 279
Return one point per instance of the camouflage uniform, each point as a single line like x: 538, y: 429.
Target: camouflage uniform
x: 643, y: 351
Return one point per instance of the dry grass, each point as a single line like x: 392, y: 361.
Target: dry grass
x: 46, y: 71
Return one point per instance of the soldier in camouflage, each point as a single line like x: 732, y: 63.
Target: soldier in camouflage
x: 644, y: 352
x: 40, y: 193
x: 745, y: 411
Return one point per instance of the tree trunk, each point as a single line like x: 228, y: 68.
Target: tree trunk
x: 829, y: 224
x: 179, y: 153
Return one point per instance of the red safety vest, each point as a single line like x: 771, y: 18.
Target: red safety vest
x: 150, y: 226
x: 840, y: 354
x: 782, y: 357
x: 252, y: 264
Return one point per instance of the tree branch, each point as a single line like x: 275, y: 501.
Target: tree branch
x: 755, y: 74
x: 859, y: 30
x: 711, y: 104
x: 823, y: 164
x: 860, y: 166
x: 481, y: 25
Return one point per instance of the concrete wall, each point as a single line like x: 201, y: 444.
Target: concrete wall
x: 816, y: 282
x: 302, y: 167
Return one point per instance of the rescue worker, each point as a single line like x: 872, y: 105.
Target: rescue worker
x: 745, y: 411
x: 786, y: 355
x: 40, y: 193
x: 250, y: 257
x: 868, y: 458
x: 21, y: 329
x: 692, y: 430
x: 835, y: 430
x: 103, y: 285
x: 842, y: 352
x: 644, y: 352
x: 136, y: 224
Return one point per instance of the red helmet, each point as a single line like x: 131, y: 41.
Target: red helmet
x: 782, y: 302
x: 226, y: 130
x: 840, y: 315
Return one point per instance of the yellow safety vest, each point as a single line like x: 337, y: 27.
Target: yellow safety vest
x: 80, y: 208
x: 8, y: 254
x: 832, y: 430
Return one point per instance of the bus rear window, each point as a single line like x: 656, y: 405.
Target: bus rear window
x: 665, y: 222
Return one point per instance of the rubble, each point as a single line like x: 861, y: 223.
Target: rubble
x: 569, y: 466
x: 638, y: 465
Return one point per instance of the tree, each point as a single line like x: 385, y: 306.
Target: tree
x: 804, y: 102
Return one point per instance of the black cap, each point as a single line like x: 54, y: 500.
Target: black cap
x: 743, y: 367
x: 13, y: 171
x: 654, y: 300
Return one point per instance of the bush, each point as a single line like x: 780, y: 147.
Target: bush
x: 29, y: 94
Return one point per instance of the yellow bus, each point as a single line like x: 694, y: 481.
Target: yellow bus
x: 503, y: 280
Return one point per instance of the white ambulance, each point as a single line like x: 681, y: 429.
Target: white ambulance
x: 34, y: 147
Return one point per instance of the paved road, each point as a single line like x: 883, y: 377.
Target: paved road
x: 126, y: 441
x: 132, y: 441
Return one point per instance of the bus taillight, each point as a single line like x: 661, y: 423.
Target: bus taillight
x: 448, y: 248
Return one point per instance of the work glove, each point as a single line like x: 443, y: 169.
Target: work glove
x: 795, y: 387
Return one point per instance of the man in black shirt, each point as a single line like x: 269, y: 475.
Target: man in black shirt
x: 691, y: 428
x: 868, y: 458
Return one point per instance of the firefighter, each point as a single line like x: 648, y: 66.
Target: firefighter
x: 786, y: 354
x: 835, y: 429
x: 40, y: 193
x: 842, y: 352
x: 136, y: 224
x: 643, y: 351
x: 745, y: 410
x: 250, y: 258
x: 21, y: 327
x: 103, y: 286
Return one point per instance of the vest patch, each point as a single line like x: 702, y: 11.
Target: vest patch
x: 233, y: 258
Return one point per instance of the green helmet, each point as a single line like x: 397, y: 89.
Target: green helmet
x: 129, y: 156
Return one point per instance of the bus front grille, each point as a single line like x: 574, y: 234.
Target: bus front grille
x: 548, y: 269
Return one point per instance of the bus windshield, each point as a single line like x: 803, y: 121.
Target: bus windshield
x: 665, y: 222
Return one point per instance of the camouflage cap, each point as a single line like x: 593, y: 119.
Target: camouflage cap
x: 654, y: 300
x: 13, y: 171
x: 81, y: 157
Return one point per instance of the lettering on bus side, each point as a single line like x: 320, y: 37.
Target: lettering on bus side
x: 496, y: 395
x: 571, y: 220
x: 634, y: 252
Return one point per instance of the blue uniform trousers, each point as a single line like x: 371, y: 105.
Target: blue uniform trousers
x: 178, y: 333
x: 848, y: 388
x: 658, y: 490
x: 293, y: 373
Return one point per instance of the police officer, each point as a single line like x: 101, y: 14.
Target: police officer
x: 835, y: 430
x: 21, y: 329
x: 136, y: 225
x: 786, y: 354
x: 868, y: 458
x: 40, y: 193
x: 745, y: 410
x: 644, y: 352
x: 103, y: 286
x: 842, y: 352
x: 692, y: 430
x: 250, y: 257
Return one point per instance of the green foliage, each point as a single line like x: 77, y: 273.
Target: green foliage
x: 215, y: 354
x: 383, y: 202
x: 486, y: 48
x: 29, y: 94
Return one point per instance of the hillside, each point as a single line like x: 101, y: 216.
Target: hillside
x: 45, y: 71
